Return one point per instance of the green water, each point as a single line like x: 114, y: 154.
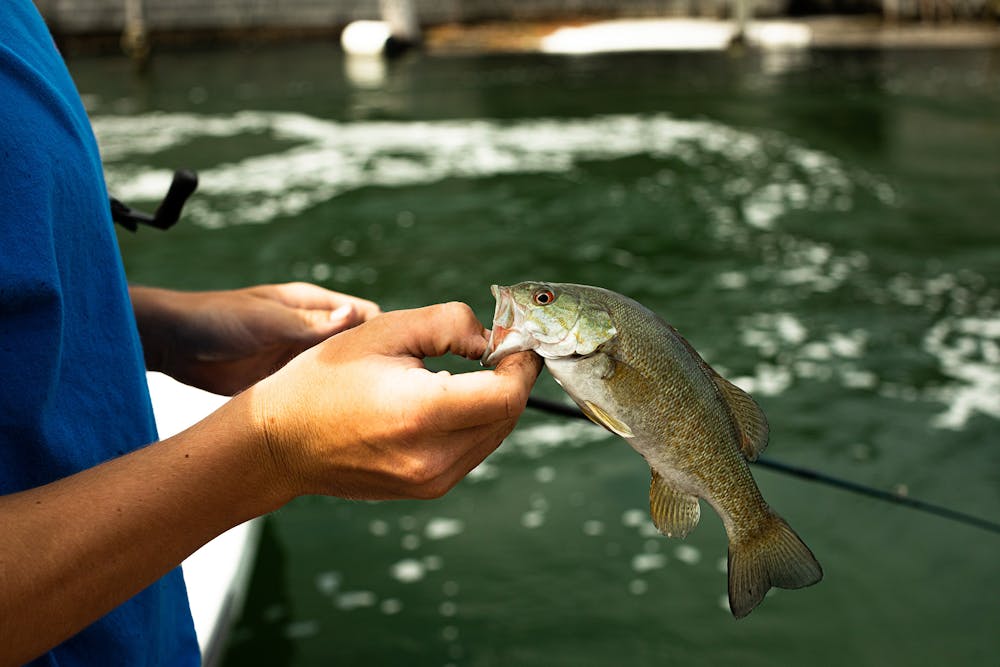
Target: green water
x: 823, y: 227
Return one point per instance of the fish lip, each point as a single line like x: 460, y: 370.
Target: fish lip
x: 504, y: 337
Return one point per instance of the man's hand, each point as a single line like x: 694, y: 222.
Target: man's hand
x: 225, y: 341
x: 359, y: 416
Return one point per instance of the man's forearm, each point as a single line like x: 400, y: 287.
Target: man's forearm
x: 155, y: 317
x: 75, y: 549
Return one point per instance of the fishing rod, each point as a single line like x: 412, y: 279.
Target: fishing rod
x: 184, y: 184
x: 552, y: 407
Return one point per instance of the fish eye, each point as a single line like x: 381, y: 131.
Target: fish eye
x: 544, y: 297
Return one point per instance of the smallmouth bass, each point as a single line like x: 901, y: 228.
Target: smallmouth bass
x: 633, y: 374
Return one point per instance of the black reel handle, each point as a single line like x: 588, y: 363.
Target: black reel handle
x: 184, y: 183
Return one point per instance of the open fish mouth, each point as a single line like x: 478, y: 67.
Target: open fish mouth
x: 507, y: 335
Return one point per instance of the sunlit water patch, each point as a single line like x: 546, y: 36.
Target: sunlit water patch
x: 968, y: 350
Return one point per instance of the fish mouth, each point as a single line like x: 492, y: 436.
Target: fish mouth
x: 507, y: 334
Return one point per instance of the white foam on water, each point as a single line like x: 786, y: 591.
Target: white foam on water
x: 314, y: 159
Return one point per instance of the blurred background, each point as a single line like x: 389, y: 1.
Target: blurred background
x: 808, y: 190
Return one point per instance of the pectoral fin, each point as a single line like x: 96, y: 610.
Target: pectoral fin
x: 674, y: 513
x: 602, y: 418
x: 749, y: 418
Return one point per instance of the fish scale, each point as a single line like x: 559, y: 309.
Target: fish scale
x: 634, y: 374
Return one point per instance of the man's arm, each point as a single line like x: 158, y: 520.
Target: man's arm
x: 357, y: 416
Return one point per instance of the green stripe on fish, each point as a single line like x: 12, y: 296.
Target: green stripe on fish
x: 633, y: 374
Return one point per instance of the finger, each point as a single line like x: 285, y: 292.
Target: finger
x: 329, y: 322
x: 433, y: 331
x: 313, y: 297
x: 454, y: 455
x: 486, y: 439
x: 482, y: 397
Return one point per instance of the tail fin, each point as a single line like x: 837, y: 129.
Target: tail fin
x: 774, y: 557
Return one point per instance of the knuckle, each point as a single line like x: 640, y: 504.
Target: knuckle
x: 456, y: 311
x: 433, y: 490
x: 423, y: 472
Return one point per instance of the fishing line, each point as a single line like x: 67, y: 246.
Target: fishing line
x: 552, y: 407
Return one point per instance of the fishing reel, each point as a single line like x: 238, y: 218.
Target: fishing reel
x: 167, y: 213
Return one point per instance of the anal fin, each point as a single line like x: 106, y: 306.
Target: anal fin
x: 674, y: 513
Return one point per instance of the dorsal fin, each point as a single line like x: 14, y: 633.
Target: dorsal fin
x: 748, y: 417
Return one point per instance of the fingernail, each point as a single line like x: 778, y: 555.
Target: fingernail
x: 341, y: 313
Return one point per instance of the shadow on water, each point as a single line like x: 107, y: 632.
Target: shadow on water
x: 264, y: 635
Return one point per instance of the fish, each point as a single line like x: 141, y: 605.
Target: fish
x: 632, y: 373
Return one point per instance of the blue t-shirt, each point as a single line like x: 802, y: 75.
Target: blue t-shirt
x: 72, y: 383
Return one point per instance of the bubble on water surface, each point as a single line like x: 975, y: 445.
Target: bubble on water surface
x: 545, y: 474
x: 408, y: 571
x: 638, y: 587
x: 327, y: 583
x: 301, y: 629
x: 390, y: 606
x: 633, y: 517
x: 688, y: 554
x: 439, y: 528
x: 533, y: 519
x: 647, y: 561
x: 351, y: 600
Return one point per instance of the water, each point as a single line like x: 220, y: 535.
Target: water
x: 821, y: 226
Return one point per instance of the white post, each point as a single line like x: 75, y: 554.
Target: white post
x: 135, y: 39
x: 401, y: 15
x: 742, y: 13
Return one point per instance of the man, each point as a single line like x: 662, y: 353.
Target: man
x: 93, y: 524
